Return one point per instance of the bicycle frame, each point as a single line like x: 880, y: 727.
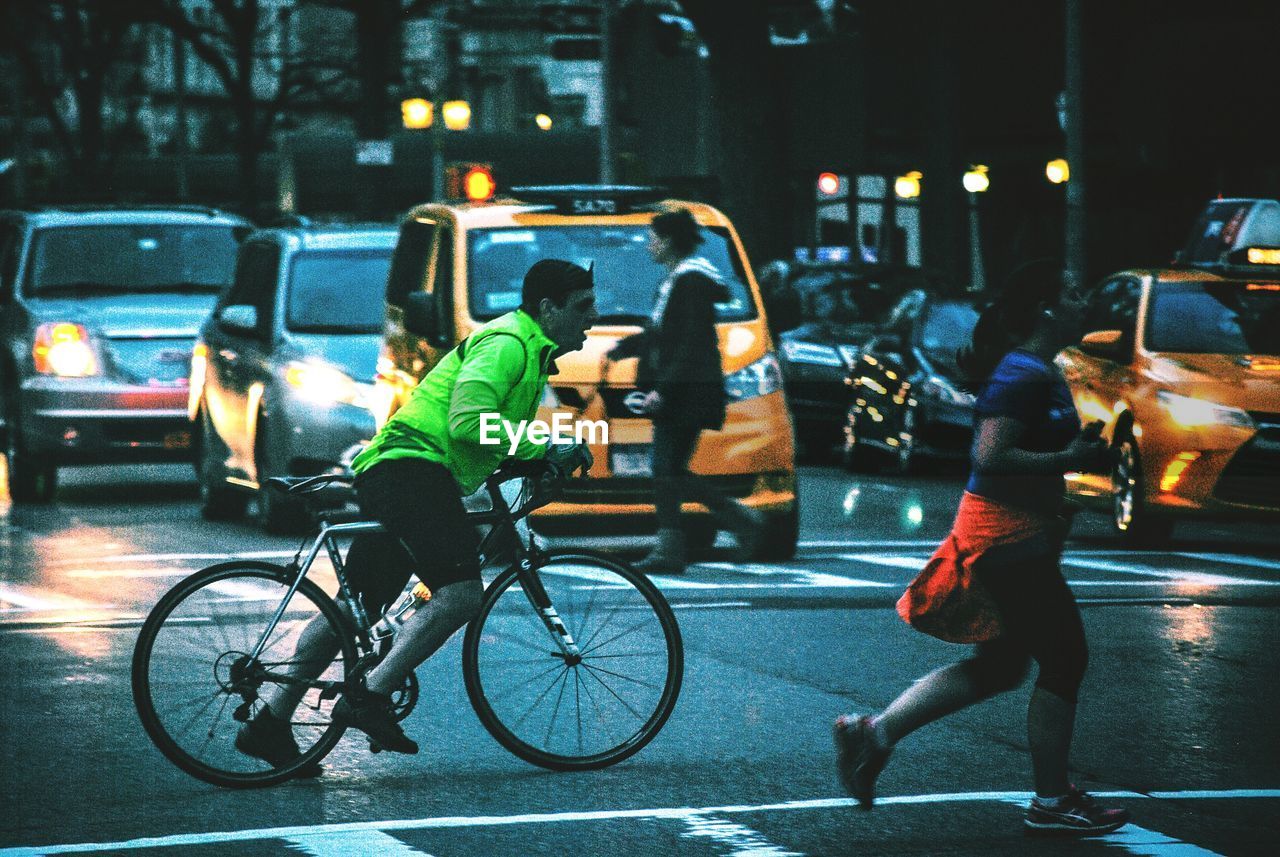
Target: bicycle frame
x: 501, y: 521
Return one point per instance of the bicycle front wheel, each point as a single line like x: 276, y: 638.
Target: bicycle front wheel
x: 195, y: 684
x: 574, y: 713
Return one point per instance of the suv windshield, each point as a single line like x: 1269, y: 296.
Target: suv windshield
x: 337, y: 292
x: 122, y: 258
x: 947, y: 328
x: 626, y: 278
x: 1215, y: 318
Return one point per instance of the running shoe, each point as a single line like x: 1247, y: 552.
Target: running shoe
x: 270, y: 739
x: 859, y: 759
x: 1078, y: 815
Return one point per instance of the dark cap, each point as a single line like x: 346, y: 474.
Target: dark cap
x: 554, y: 279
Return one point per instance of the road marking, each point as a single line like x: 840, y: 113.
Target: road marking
x: 1235, y: 559
x: 870, y: 543
x: 1149, y: 843
x: 805, y: 577
x: 36, y: 598
x: 173, y: 557
x: 344, y: 843
x: 1195, y: 578
x: 677, y: 813
x: 98, y: 573
x: 744, y: 841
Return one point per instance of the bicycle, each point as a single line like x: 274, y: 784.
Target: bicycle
x: 570, y: 633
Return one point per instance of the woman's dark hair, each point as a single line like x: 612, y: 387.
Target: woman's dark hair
x: 680, y: 228
x: 1009, y: 319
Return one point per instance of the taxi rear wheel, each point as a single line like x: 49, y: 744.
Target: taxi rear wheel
x: 1130, y: 516
x: 780, y: 536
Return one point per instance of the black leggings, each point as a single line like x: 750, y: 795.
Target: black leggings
x: 1041, y: 621
x: 673, y: 444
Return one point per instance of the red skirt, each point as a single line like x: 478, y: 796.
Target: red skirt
x: 946, y: 600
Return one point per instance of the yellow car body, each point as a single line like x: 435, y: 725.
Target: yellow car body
x: 751, y: 458
x: 1183, y: 369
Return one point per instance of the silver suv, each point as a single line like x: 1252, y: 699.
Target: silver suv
x: 282, y: 374
x: 98, y: 314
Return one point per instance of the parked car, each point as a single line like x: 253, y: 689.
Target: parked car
x: 99, y: 308
x: 1229, y: 231
x: 1183, y: 368
x: 838, y: 307
x: 904, y: 396
x: 282, y: 373
x: 458, y: 266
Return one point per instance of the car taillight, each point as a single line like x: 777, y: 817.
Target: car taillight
x: 63, y: 349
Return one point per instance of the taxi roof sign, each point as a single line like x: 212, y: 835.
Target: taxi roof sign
x: 590, y: 199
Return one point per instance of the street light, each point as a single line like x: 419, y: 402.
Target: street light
x: 457, y: 115
x: 417, y: 113
x: 543, y: 121
x: 976, y: 182
x: 908, y: 186
x: 1057, y: 171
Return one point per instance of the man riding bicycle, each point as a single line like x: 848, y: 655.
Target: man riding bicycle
x: 412, y: 478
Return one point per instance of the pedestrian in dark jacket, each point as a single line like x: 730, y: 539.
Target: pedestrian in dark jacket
x: 683, y: 382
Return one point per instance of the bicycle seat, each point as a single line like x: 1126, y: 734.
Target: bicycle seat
x: 305, y: 484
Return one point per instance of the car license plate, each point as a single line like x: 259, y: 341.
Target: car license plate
x: 631, y: 460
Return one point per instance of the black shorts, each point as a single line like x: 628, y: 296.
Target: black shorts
x: 419, y: 504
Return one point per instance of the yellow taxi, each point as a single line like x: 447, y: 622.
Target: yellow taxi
x: 459, y: 265
x: 1183, y: 368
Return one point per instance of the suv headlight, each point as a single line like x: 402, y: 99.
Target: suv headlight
x: 64, y: 349
x: 759, y: 379
x: 937, y: 387
x: 810, y: 352
x: 321, y: 383
x: 1192, y: 413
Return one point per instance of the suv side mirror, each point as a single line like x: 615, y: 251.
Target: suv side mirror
x: 1107, y: 344
x: 242, y: 318
x: 420, y: 316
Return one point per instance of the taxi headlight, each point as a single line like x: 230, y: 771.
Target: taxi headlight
x: 759, y: 379
x: 1192, y: 413
x: 320, y: 383
x: 798, y: 351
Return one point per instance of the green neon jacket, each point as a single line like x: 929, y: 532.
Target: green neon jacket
x: 500, y: 369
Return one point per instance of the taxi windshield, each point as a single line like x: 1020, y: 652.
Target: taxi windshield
x: 1215, y: 318
x: 113, y: 259
x: 626, y: 278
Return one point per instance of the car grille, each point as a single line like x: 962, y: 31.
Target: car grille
x: 631, y: 490
x: 1252, y: 478
x: 155, y: 362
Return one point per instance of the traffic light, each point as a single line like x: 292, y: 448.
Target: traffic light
x: 472, y: 182
x: 828, y: 184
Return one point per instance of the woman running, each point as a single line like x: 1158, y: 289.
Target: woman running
x: 1008, y: 538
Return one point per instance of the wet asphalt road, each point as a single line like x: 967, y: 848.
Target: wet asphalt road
x: 1178, y: 711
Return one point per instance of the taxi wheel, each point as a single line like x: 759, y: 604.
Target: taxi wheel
x: 699, y: 536
x: 1130, y: 516
x: 218, y: 502
x: 781, y: 535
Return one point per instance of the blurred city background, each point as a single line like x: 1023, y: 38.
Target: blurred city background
x: 1098, y: 129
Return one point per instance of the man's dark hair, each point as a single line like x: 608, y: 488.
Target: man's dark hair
x: 555, y: 279
x: 680, y: 228
x: 1010, y: 318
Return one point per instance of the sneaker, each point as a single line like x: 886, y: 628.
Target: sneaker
x: 859, y: 759
x: 270, y: 739
x: 371, y: 713
x: 1078, y: 815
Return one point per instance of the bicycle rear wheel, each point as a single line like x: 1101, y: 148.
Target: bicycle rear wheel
x: 566, y: 715
x: 194, y: 684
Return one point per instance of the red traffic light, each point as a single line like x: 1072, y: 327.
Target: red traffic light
x: 478, y: 184
x: 828, y: 184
